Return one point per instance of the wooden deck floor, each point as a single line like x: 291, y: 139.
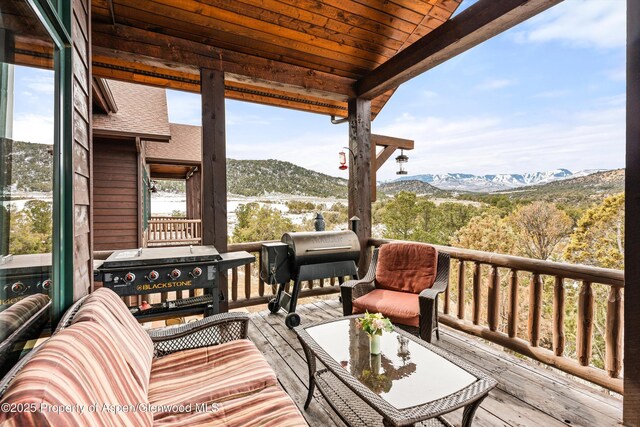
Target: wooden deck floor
x: 527, y: 395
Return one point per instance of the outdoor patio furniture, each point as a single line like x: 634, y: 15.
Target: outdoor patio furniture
x: 110, y: 371
x: 403, y: 283
x: 410, y: 382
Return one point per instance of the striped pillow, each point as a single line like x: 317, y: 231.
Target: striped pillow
x: 80, y: 366
x: 136, y: 349
x: 110, y: 299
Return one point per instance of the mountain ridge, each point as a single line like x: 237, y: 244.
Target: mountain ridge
x: 493, y: 182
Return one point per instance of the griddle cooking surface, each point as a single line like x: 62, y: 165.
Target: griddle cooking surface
x: 166, y: 256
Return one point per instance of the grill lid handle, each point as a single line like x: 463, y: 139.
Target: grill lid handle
x: 330, y: 248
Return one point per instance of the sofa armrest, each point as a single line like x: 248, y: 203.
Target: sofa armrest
x: 212, y: 330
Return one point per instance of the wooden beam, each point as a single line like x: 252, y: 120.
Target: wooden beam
x: 176, y: 53
x: 214, y: 168
x: 478, y: 23
x: 360, y: 174
x: 631, y: 403
x: 390, y: 141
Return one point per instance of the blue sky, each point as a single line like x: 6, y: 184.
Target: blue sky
x: 547, y: 94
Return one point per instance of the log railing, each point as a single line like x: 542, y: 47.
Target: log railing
x: 168, y: 231
x: 496, y: 286
x: 518, y: 303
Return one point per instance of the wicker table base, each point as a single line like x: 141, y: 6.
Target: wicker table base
x: 353, y: 410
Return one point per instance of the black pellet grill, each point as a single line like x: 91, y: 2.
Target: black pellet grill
x: 22, y: 275
x: 171, y: 269
x: 299, y: 257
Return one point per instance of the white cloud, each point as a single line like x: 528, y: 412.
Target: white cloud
x: 582, y: 23
x: 481, y: 145
x: 33, y: 128
x: 494, y: 84
x: 551, y: 94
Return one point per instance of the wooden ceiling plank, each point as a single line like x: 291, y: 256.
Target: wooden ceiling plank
x: 169, y: 14
x: 293, y: 9
x: 280, y: 15
x: 394, y: 9
x: 191, y: 53
x: 239, y: 43
x: 478, y: 23
x: 346, y: 17
x: 365, y: 10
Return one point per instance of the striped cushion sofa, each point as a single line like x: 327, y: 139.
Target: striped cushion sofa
x: 101, y: 368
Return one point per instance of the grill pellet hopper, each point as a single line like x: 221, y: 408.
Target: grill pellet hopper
x: 303, y: 256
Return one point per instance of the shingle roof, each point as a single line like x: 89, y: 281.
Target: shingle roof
x: 142, y: 111
x: 185, y: 145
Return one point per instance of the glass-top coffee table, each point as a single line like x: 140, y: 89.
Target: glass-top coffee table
x: 410, y: 383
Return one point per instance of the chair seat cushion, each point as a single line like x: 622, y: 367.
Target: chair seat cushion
x: 406, y: 267
x: 270, y: 407
x: 399, y: 307
x: 210, y: 374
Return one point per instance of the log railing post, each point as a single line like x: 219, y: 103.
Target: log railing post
x: 234, y: 284
x: 535, y: 309
x: 558, y: 316
x: 493, y: 303
x: 260, y: 281
x: 512, y: 329
x: 585, y: 324
x: 247, y: 281
x: 447, y: 301
x: 461, y: 289
x: 477, y: 272
x: 613, y: 335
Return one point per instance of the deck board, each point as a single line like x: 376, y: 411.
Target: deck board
x: 527, y: 393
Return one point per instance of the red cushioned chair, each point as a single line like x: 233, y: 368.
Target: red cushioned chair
x: 403, y: 283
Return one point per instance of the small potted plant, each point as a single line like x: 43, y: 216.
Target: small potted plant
x: 374, y: 324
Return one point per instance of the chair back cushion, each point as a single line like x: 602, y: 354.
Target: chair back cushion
x: 83, y: 368
x: 406, y: 267
x: 105, y: 307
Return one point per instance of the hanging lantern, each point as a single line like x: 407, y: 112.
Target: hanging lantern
x: 401, y: 160
x: 342, y: 158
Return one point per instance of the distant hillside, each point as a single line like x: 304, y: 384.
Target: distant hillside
x: 414, y: 186
x: 261, y: 177
x: 584, y: 189
x: 31, y: 166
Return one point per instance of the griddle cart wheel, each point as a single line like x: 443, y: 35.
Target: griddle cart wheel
x: 273, y: 305
x: 292, y: 320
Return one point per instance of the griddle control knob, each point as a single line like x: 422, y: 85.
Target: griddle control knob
x: 129, y: 277
x: 175, y: 274
x: 18, y: 288
x: 153, y: 276
x: 46, y: 285
x: 196, y: 272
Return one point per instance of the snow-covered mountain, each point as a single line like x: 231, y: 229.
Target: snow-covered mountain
x: 488, y: 183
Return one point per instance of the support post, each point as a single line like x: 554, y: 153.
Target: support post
x: 360, y: 174
x: 214, y: 168
x: 631, y: 403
